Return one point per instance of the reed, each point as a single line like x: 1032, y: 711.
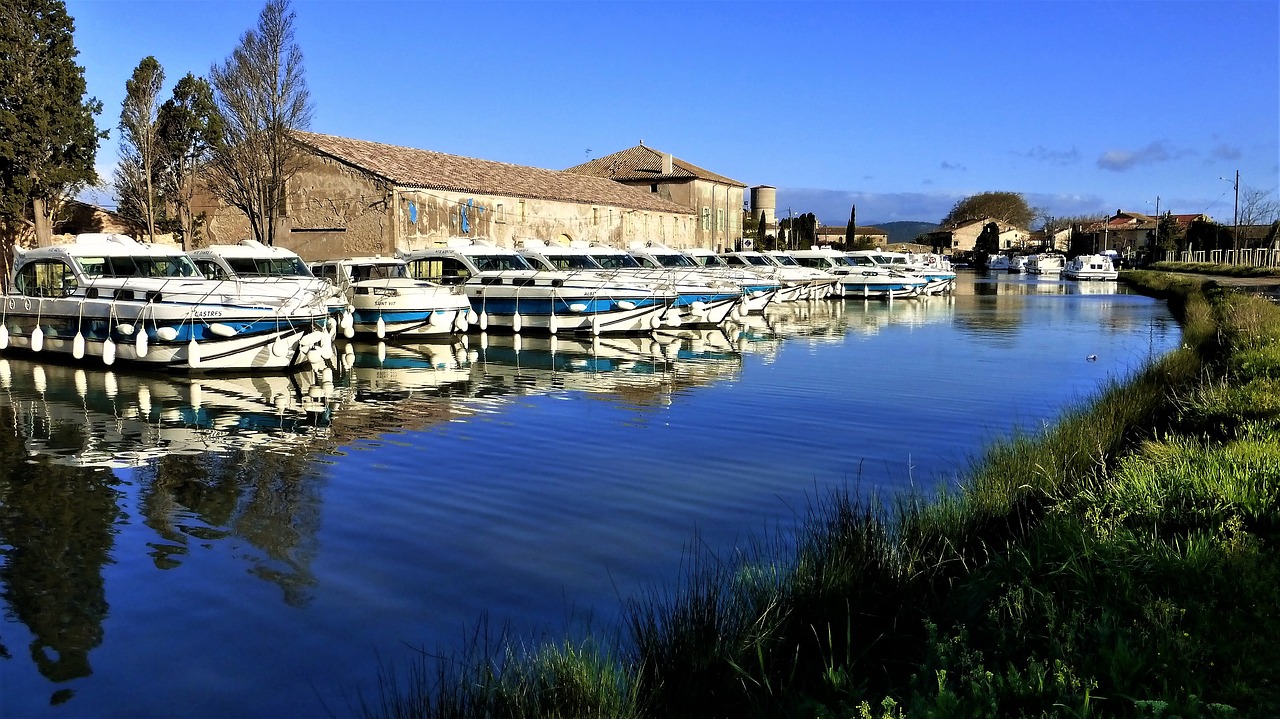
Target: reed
x: 1119, y: 563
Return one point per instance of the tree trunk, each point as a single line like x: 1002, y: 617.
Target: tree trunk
x: 43, y: 222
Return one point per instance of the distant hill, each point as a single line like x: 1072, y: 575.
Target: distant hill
x: 906, y: 231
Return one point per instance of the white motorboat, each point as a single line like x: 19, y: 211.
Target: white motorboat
x: 1046, y: 263
x: 1017, y: 263
x: 269, y: 268
x: 798, y: 282
x: 384, y: 301
x: 507, y: 292
x: 998, y: 263
x: 860, y: 278
x: 707, y: 303
x: 932, y: 269
x: 757, y: 291
x: 112, y: 297
x: 1090, y: 267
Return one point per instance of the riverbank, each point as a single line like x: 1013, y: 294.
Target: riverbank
x: 1122, y: 563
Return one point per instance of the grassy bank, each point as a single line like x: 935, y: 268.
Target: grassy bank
x: 1123, y: 563
x: 1216, y: 268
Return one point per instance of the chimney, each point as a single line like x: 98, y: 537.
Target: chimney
x: 668, y: 166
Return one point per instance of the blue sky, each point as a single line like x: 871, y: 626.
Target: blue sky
x: 901, y: 108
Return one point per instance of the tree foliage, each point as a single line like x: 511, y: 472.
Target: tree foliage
x: 188, y: 126
x: 135, y: 174
x: 1007, y: 207
x: 988, y: 243
x: 48, y: 139
x: 261, y: 95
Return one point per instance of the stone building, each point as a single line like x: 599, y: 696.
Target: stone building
x: 716, y: 200
x: 832, y: 234
x: 353, y: 197
x: 962, y: 236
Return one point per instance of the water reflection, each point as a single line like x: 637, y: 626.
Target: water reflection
x: 434, y: 477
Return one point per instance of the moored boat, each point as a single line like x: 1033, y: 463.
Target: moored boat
x: 860, y: 278
x: 506, y: 292
x: 111, y: 297
x: 1090, y: 267
x: 384, y: 301
x: 1045, y: 263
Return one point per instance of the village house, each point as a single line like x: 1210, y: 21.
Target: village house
x: 1128, y: 233
x: 715, y: 199
x: 353, y: 197
x: 963, y: 236
x: 828, y: 235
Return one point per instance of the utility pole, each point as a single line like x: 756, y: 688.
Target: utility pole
x: 1235, y: 219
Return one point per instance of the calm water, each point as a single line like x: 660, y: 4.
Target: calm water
x: 256, y: 547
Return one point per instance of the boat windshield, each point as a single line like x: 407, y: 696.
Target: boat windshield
x: 757, y: 260
x: 860, y: 261
x: 360, y: 273
x: 673, y: 261
x: 574, y: 262
x: 710, y: 261
x: 139, y: 266
x: 617, y: 262
x: 268, y: 267
x: 784, y: 260
x: 491, y: 263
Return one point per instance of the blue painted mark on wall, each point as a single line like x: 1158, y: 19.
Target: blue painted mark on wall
x: 413, y: 213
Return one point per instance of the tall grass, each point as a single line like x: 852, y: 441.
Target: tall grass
x: 1121, y: 563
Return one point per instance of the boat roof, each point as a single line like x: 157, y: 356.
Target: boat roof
x: 103, y: 244
x: 244, y: 248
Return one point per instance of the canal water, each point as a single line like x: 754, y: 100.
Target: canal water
x: 266, y: 546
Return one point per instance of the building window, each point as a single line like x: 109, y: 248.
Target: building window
x: 499, y: 213
x: 706, y: 218
x: 523, y: 216
x: 653, y: 187
x: 595, y: 215
x: 720, y: 220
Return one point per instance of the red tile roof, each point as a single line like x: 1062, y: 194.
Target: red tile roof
x: 411, y: 168
x: 645, y: 163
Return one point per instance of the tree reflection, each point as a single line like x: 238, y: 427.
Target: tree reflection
x: 270, y: 499
x: 56, y: 534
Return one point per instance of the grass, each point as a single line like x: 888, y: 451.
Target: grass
x: 1121, y: 564
x: 1216, y: 268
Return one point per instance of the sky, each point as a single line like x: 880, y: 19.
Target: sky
x: 898, y: 108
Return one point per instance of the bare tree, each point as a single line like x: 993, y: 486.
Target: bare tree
x: 261, y: 95
x: 1258, y: 207
x: 140, y: 143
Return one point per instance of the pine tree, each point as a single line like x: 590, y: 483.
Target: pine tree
x: 48, y: 139
x: 851, y: 231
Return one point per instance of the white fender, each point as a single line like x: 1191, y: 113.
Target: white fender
x: 125, y: 328
x: 109, y: 352
x: 279, y: 347
x: 553, y: 325
x: 437, y: 319
x: 655, y: 320
x: 577, y: 307
x: 140, y: 344
x: 4, y: 337
x: 37, y: 339
x: 460, y: 322
x: 223, y: 330
x: 347, y: 322
x: 516, y: 322
x: 168, y: 334
x: 349, y: 332
x: 595, y: 325
x: 382, y: 328
x: 472, y: 317
x: 484, y: 321
x: 77, y: 346
x: 626, y: 305
x: 193, y: 354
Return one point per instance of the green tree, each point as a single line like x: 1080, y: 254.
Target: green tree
x: 1007, y: 207
x: 988, y: 243
x: 189, y: 125
x: 140, y: 145
x: 261, y: 95
x: 48, y: 139
x: 851, y: 229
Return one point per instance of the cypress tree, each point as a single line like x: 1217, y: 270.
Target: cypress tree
x: 48, y: 139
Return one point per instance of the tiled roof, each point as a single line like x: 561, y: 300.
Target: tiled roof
x: 423, y: 169
x: 645, y: 163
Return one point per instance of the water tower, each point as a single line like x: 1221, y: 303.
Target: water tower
x: 764, y: 200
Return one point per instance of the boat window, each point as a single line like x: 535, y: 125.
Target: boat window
x: 758, y: 261
x: 441, y: 270
x: 784, y: 260
x: 574, y: 262
x: 617, y: 262
x: 211, y: 270
x: 674, y: 261
x: 46, y: 278
x: 171, y: 266
x: 488, y: 263
x: 360, y: 273
x: 93, y: 266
